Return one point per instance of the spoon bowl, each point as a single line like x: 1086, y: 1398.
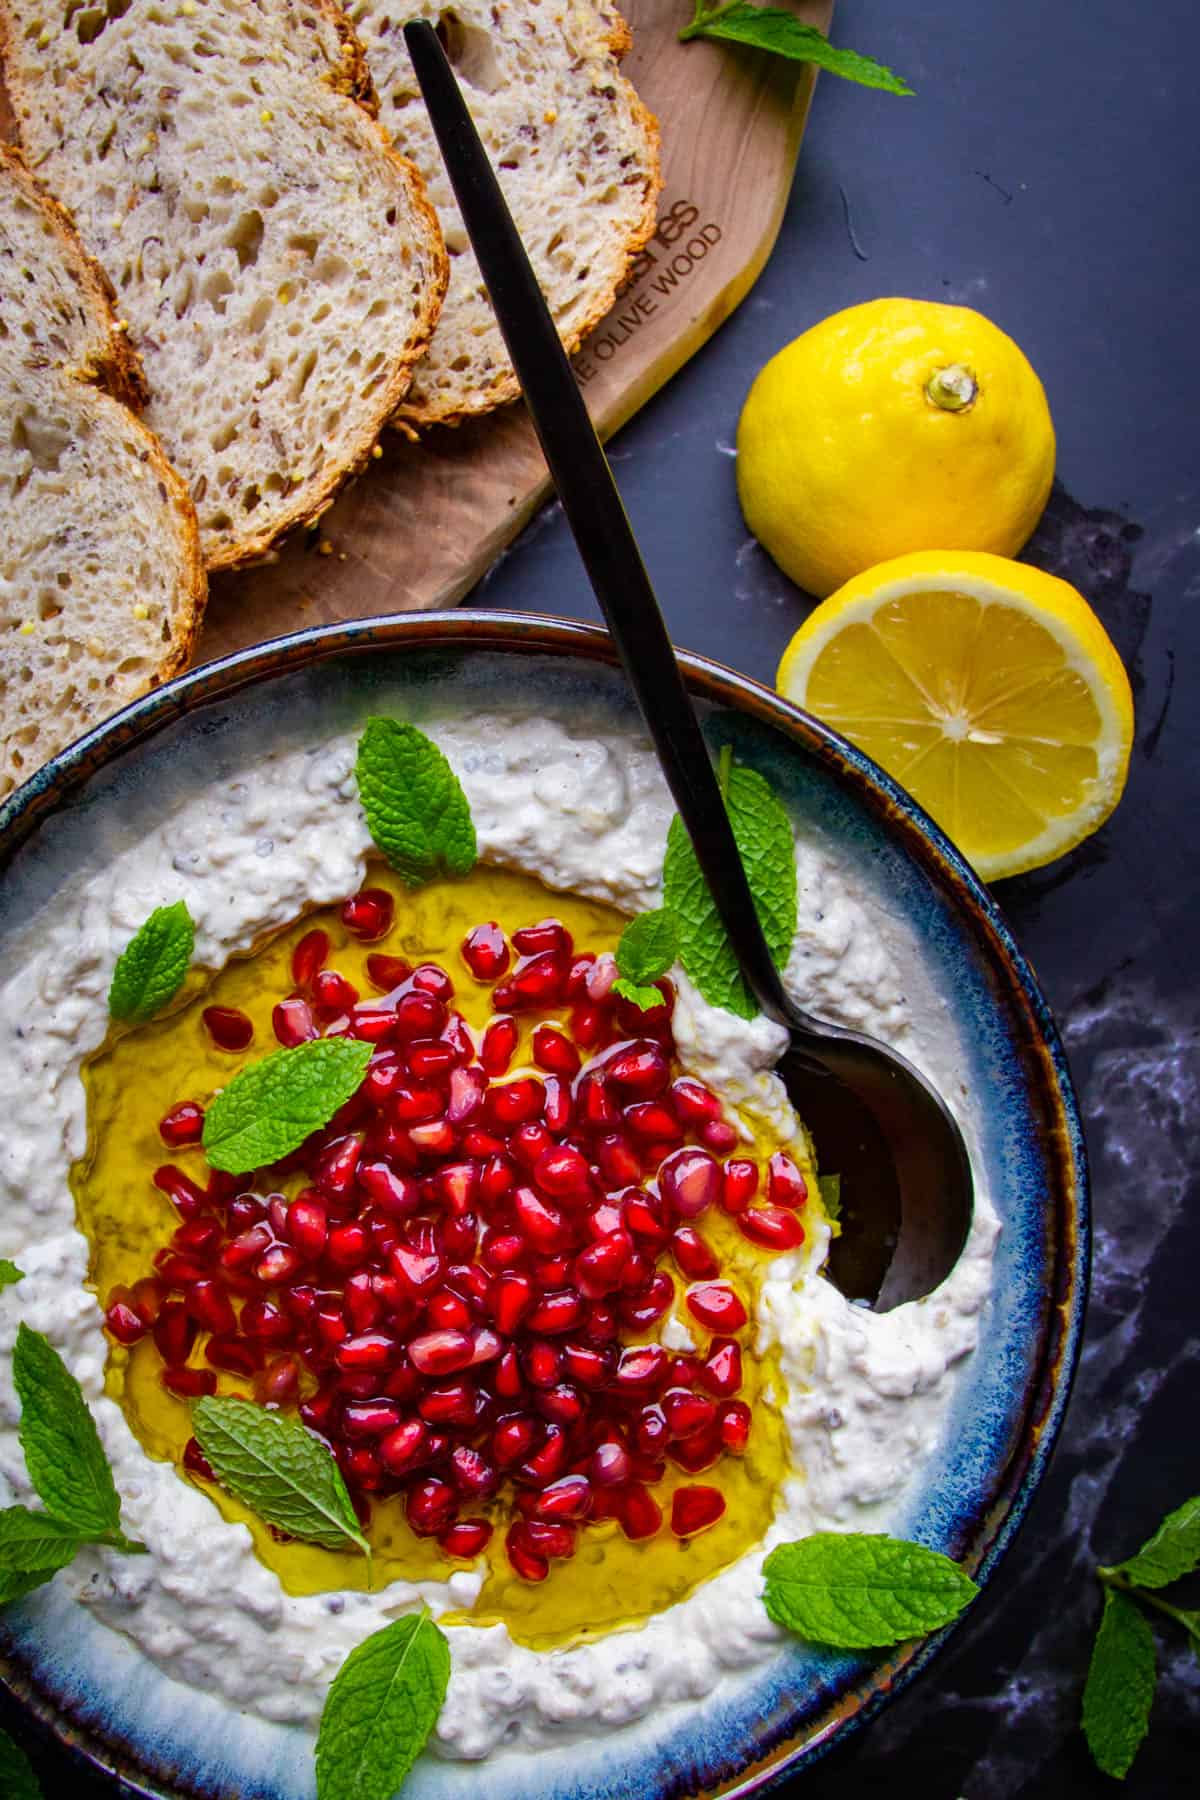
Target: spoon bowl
x: 877, y: 1123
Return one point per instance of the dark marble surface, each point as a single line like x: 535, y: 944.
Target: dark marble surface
x: 1047, y: 173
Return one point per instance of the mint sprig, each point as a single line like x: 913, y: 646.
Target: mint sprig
x: 416, y: 809
x: 380, y: 1710
x: 269, y: 1108
x: 284, y: 1472
x: 17, y: 1779
x: 68, y: 1468
x: 151, y: 968
x: 1120, y: 1683
x: 9, y: 1273
x: 763, y: 833
x: 858, y: 1591
x: 649, y: 945
x: 770, y: 28
x: 63, y: 1452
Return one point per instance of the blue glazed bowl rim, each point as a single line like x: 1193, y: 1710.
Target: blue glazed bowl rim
x: 465, y: 630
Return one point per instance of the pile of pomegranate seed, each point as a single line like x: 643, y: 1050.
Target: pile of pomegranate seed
x: 450, y: 1298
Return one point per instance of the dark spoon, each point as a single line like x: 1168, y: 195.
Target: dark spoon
x: 905, y: 1176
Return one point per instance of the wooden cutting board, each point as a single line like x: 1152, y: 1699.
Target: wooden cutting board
x: 426, y: 519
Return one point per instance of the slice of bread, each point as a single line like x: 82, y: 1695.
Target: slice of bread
x: 577, y: 157
x: 278, y: 263
x: 101, y: 580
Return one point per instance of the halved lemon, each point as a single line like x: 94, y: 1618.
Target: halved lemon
x: 989, y: 689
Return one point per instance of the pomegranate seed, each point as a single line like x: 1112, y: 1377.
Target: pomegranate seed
x: 771, y: 1226
x: 690, y: 1181
x: 184, y: 1124
x: 636, y: 1273
x: 502, y: 1249
x: 609, y: 1465
x: 719, y: 1136
x: 279, y: 1383
x: 124, y: 1323
x: 332, y: 993
x: 555, y: 1052
x: 498, y: 1045
x: 542, y: 1364
x: 537, y: 981
x: 686, y: 1413
x: 185, y: 1196
x: 721, y: 1372
x: 370, y: 1351
x: 717, y: 1307
x: 419, y: 1015
x: 362, y: 1304
x: 361, y: 1467
x: 542, y: 1225
x: 653, y: 1123
x: 309, y: 956
x: 335, y: 1168
x: 640, y: 1069
x: 228, y: 1028
x: 370, y: 1418
x: 589, y: 1367
x: 485, y: 951
x: 434, y: 1139
x: 786, y: 1186
x: 189, y: 1384
x: 293, y: 1023
x: 694, y: 1509
x: 441, y: 1352
x: 694, y: 1103
x: 639, y: 1311
x: 174, y: 1332
x: 511, y: 1298
x: 734, y: 1421
x: 529, y: 1143
x: 700, y: 1451
x: 446, y: 1311
x: 547, y: 1463
x: 449, y: 1403
x: 563, y: 1172
x: 487, y: 1346
x: 693, y: 1257
x: 428, y: 1058
x: 587, y: 1026
x: 618, y: 1161
x: 642, y: 1216
x: 387, y: 972
x: 244, y: 1211
x: 208, y: 1304
x: 595, y: 1106
x: 558, y: 1108
x: 195, y: 1461
x: 146, y: 1298
x: 430, y: 1506
x: 430, y: 978
x: 417, y: 1105
x: 317, y: 1412
x: 372, y: 1024
x: 507, y: 1379
x: 640, y: 1513
x: 651, y: 1432
x: 563, y: 1403
x: 467, y: 1088
x: 199, y: 1238
x: 528, y: 1563
x: 177, y: 1271
x: 568, y: 1498
x: 466, y: 1539
x: 348, y: 1245
x: 599, y: 1268
x: 261, y: 1319
x: 236, y: 1355
x: 641, y: 1369
x: 600, y: 978
x: 307, y: 1227
x: 368, y: 915
x: 514, y: 1103
x: 472, y: 1474
x: 278, y: 1264
x: 739, y: 1184
x: 405, y: 1447
x: 513, y: 1439
x: 549, y: 1537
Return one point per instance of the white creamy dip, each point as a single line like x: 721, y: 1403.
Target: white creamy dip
x: 867, y: 1395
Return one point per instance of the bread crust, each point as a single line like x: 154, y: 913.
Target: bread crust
x: 116, y: 372
x: 351, y: 80
x: 504, y: 386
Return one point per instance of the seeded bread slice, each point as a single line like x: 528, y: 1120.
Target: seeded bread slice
x: 101, y: 581
x: 577, y: 157
x: 278, y: 263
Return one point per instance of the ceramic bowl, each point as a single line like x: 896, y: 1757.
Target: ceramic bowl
x: 96, y: 1691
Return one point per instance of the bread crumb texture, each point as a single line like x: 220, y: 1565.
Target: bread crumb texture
x: 278, y: 263
x: 101, y: 583
x: 577, y: 157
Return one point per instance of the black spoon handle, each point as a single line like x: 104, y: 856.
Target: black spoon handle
x: 597, y: 517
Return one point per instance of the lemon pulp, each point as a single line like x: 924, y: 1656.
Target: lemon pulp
x: 138, y: 1076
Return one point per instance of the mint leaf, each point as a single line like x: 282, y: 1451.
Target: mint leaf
x: 415, y: 806
x: 17, y: 1779
x: 862, y: 1592
x: 269, y: 1108
x: 63, y: 1452
x: 649, y: 945
x: 1174, y: 1550
x: 34, y: 1541
x: 10, y: 1274
x: 642, y: 997
x: 830, y: 1187
x: 769, y: 28
x: 151, y: 968
x: 763, y: 833
x: 381, y: 1708
x: 1120, y: 1685
x: 280, y: 1469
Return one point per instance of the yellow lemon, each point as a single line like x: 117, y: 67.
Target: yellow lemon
x: 893, y: 426
x: 990, y: 690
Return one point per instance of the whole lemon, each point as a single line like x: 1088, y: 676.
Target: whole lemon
x: 893, y: 426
